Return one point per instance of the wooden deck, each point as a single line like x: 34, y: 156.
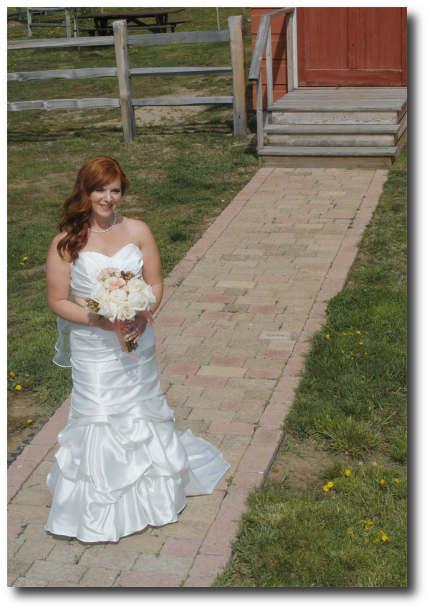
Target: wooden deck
x: 329, y: 127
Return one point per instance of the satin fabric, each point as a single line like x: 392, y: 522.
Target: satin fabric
x: 121, y: 464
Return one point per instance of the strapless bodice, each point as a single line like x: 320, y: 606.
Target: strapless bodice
x: 85, y: 269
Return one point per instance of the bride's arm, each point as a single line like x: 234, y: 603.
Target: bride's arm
x: 58, y: 282
x: 151, y: 263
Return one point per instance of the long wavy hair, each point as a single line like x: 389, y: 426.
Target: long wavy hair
x: 75, y: 219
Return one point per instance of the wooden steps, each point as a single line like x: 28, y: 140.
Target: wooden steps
x: 361, y: 127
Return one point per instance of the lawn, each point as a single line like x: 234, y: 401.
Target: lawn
x: 333, y: 510
x: 184, y: 167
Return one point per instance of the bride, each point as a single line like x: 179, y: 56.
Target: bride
x: 121, y: 464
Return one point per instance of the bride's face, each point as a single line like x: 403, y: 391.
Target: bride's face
x: 106, y: 198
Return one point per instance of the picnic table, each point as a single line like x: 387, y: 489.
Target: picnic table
x: 161, y: 23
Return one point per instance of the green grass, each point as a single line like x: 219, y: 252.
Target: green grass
x: 351, y: 403
x: 183, y: 169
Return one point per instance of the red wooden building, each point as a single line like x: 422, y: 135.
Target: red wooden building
x: 341, y: 72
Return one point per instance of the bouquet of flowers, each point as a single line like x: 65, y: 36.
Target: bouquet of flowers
x: 118, y: 295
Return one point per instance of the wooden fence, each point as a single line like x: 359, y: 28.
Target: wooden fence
x: 122, y: 71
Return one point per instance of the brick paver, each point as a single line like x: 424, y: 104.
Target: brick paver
x: 231, y: 341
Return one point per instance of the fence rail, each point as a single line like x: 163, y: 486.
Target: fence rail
x: 121, y: 42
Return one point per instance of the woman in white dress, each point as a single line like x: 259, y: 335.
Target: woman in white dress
x: 121, y: 464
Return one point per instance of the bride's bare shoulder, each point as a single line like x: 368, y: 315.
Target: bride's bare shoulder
x: 137, y: 228
x: 53, y: 250
x: 58, y: 238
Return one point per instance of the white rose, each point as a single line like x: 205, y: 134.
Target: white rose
x: 100, y: 294
x: 147, y: 291
x: 135, y: 300
x: 104, y: 310
x: 112, y: 311
x: 118, y: 296
x: 125, y: 312
x: 135, y: 284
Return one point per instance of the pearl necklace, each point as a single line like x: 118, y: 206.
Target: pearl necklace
x: 104, y: 230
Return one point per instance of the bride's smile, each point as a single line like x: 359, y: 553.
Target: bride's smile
x: 105, y: 200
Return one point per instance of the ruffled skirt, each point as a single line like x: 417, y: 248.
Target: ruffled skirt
x: 122, y: 464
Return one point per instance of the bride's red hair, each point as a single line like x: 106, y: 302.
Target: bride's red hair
x: 75, y: 219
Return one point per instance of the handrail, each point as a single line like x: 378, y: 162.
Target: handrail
x: 264, y: 41
x: 260, y: 43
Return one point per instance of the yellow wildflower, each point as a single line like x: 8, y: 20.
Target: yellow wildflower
x: 376, y: 540
x: 361, y: 343
x: 384, y: 536
x: 382, y: 481
x: 363, y: 521
x: 365, y: 353
x: 358, y: 332
x: 347, y: 473
x: 370, y: 523
x: 29, y: 421
x: 344, y: 334
x: 396, y: 480
x: 328, y: 336
x: 22, y: 264
x: 350, y: 532
x: 12, y: 374
x: 17, y: 387
x: 25, y: 258
x: 326, y: 488
x: 26, y: 375
x: 330, y: 484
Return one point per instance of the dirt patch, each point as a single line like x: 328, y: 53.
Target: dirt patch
x: 21, y: 409
x: 165, y: 115
x: 44, y: 182
x: 300, y: 464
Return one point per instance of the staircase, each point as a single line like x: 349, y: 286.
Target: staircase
x: 346, y: 127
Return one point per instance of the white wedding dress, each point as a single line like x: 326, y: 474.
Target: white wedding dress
x: 121, y: 464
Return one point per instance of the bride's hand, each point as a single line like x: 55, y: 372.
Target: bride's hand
x: 100, y: 322
x: 134, y: 328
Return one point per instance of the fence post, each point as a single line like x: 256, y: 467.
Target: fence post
x: 30, y: 33
x: 68, y: 28
x: 123, y: 73
x: 237, y: 48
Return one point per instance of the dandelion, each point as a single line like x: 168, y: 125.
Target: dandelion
x: 12, y: 374
x: 326, y: 488
x: 350, y: 532
x: 345, y: 334
x: 384, y: 536
x: 18, y: 387
x: 330, y: 484
x: 363, y: 521
x: 370, y: 523
x: 361, y: 343
x: 29, y: 421
x: 382, y: 481
x: 328, y: 336
x: 22, y: 264
x: 396, y: 480
x: 376, y: 540
x: 25, y: 258
x: 365, y: 353
x: 347, y: 473
x: 358, y: 332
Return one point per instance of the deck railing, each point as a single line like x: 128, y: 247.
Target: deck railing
x: 264, y: 43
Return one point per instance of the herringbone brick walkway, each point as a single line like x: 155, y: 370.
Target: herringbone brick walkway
x: 231, y: 334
